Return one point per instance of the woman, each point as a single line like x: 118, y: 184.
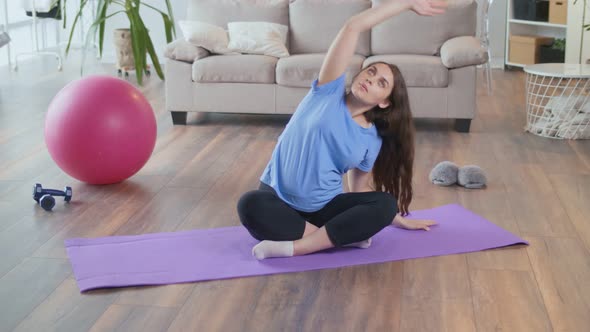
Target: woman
x: 300, y: 207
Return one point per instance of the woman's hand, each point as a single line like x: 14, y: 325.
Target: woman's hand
x: 428, y: 7
x: 412, y: 224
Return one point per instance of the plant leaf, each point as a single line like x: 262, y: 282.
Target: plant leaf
x: 171, y: 16
x: 63, y: 13
x: 154, y: 57
x: 138, y: 42
x: 168, y: 25
x: 82, y: 4
x: 101, y: 11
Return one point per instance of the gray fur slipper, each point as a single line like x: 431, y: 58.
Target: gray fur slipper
x: 472, y: 177
x: 444, y: 174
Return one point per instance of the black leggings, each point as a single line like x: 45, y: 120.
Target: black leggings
x: 348, y: 217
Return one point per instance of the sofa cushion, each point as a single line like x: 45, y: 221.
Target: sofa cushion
x: 315, y: 23
x: 463, y: 51
x: 427, y: 33
x: 418, y: 70
x: 300, y: 70
x: 221, y: 12
x: 245, y: 68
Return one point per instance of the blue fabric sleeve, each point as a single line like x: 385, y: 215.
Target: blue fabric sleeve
x: 367, y: 164
x: 333, y: 87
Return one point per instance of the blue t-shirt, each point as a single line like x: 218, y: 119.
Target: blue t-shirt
x: 319, y: 145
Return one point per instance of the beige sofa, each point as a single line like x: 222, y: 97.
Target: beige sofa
x: 436, y: 55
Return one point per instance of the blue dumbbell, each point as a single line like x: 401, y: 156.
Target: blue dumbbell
x: 45, y: 196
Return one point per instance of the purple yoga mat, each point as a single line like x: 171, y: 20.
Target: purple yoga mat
x: 220, y: 253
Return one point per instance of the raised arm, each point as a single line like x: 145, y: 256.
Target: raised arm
x: 342, y: 48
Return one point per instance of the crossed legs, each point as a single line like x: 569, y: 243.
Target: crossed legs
x: 350, y: 219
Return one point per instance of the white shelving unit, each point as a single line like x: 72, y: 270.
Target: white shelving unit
x: 571, y: 31
x: 537, y: 23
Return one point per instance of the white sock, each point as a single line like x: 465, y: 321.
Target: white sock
x: 361, y: 244
x: 268, y: 249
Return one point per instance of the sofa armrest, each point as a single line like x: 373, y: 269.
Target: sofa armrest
x: 182, y: 50
x: 178, y: 85
x: 463, y: 51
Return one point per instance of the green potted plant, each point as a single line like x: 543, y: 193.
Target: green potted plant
x: 141, y: 42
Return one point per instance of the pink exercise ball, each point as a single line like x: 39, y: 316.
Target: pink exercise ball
x: 100, y: 130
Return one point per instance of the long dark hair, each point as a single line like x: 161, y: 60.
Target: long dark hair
x: 393, y: 168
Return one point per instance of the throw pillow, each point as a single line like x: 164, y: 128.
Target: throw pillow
x: 182, y: 50
x: 205, y: 35
x: 263, y: 38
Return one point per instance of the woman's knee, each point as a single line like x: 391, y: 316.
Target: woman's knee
x: 387, y: 207
x: 248, y: 204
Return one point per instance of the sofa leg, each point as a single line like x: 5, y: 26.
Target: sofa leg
x: 462, y: 125
x: 178, y: 118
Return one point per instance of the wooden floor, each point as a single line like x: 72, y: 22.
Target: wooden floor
x: 538, y: 189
